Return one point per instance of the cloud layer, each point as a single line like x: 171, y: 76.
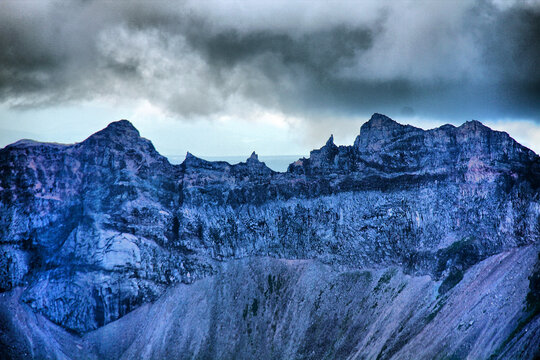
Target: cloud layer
x: 199, y: 59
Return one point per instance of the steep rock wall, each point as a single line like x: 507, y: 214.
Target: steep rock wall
x: 96, y: 229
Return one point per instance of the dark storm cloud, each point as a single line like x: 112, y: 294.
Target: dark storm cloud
x: 513, y: 52
x: 462, y: 60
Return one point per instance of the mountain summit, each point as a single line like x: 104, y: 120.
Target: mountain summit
x: 380, y: 121
x: 121, y: 130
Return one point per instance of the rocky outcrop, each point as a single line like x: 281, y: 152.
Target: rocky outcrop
x: 96, y: 229
x: 88, y: 220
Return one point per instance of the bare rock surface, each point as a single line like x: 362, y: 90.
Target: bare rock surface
x: 94, y: 234
x: 286, y: 309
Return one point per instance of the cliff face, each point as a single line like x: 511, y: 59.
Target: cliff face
x: 94, y: 230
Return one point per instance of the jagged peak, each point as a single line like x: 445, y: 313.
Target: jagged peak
x: 253, y: 166
x: 329, y: 146
x: 380, y: 121
x: 253, y: 157
x: 192, y: 160
x: 324, y: 155
x: 330, y: 140
x: 381, y: 128
x: 474, y: 125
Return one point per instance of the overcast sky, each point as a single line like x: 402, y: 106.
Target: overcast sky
x: 228, y: 77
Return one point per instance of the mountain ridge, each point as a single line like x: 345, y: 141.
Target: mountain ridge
x: 122, y: 128
x: 97, y: 229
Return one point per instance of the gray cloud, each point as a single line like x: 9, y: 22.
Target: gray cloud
x: 194, y: 59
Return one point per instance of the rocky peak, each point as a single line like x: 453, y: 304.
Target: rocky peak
x: 193, y: 161
x: 474, y: 125
x: 119, y: 145
x: 253, y: 158
x: 381, y: 129
x: 119, y: 136
x: 474, y: 129
x: 122, y: 125
x: 322, y: 160
x: 118, y: 130
x: 330, y: 140
x: 252, y: 167
x: 327, y: 150
x: 380, y: 121
x: 201, y: 168
x: 483, y: 147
